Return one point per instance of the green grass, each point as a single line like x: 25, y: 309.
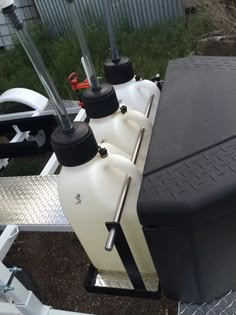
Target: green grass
x: 26, y: 166
x: 149, y: 49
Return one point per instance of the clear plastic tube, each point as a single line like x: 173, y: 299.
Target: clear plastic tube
x: 83, y: 44
x: 44, y: 76
x: 112, y: 38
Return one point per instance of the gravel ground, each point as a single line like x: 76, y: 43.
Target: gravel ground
x: 59, y: 266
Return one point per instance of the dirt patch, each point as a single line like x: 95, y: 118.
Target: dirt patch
x: 58, y: 264
x: 221, y: 13
x: 216, y: 46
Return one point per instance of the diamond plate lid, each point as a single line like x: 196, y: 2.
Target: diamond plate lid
x: 226, y: 305
x: 189, y: 178
x: 196, y: 110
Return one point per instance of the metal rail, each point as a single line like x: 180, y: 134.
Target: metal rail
x: 117, y: 217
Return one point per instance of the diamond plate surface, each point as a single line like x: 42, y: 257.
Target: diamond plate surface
x: 120, y: 280
x: 206, y: 63
x: 30, y: 200
x: 194, y: 174
x: 223, y: 306
x: 66, y: 103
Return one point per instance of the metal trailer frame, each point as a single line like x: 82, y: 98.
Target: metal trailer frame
x: 41, y: 107
x: 54, y: 220
x: 16, y: 299
x: 26, y: 303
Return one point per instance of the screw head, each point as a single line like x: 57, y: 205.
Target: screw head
x: 123, y: 109
x: 103, y: 152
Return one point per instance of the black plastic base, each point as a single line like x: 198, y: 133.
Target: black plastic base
x: 75, y: 147
x: 90, y: 286
x: 100, y: 103
x: 120, y: 72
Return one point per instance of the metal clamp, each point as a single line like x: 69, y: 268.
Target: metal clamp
x: 117, y: 217
x: 6, y: 288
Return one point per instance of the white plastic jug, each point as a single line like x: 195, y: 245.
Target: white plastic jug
x: 135, y: 93
x: 89, y: 193
x: 118, y: 126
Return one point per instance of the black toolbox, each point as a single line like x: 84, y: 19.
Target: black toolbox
x: 187, y: 202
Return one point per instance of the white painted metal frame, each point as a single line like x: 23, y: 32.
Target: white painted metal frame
x: 52, y: 164
x: 19, y: 137
x: 24, y: 96
x: 19, y: 301
x: 34, y: 100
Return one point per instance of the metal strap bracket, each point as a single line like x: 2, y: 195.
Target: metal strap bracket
x: 6, y: 288
x: 126, y: 255
x: 118, y: 214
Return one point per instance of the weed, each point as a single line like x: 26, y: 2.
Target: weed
x: 149, y: 49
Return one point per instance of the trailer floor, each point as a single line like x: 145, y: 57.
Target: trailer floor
x: 59, y: 265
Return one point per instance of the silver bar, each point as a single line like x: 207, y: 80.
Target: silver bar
x: 8, y: 287
x: 119, y: 210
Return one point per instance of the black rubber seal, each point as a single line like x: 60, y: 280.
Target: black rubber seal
x: 75, y: 147
x: 100, y: 103
x: 120, y: 72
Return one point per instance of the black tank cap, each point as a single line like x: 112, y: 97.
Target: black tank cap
x: 100, y: 103
x: 75, y: 147
x: 119, y: 72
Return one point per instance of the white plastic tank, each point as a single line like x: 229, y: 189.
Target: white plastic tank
x: 89, y: 185
x: 116, y: 124
x: 133, y: 91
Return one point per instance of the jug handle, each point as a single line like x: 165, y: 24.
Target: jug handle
x: 124, y: 165
x: 140, y: 119
x: 144, y: 84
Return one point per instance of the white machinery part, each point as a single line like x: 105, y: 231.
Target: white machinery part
x: 25, y: 96
x: 21, y: 301
x: 20, y: 136
x: 5, y: 3
x: 8, y: 309
x: 38, y: 103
